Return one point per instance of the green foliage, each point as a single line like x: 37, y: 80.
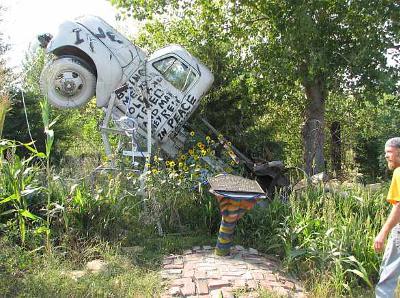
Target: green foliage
x: 15, y: 125
x: 4, y: 106
x: 322, y: 234
x: 365, y: 127
x: 318, y: 233
x: 268, y: 51
x: 32, y: 67
x: 20, y: 189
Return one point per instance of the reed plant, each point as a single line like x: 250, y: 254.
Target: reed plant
x: 321, y: 233
x: 20, y: 190
x: 4, y: 107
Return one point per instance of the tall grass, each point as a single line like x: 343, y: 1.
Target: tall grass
x: 322, y: 234
x: 20, y: 190
x: 4, y: 106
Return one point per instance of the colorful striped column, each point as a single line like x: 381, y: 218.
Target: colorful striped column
x: 232, y: 209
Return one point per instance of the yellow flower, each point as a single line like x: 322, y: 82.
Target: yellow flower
x: 172, y: 163
x: 192, y: 133
x: 208, y: 139
x: 203, y: 152
x: 155, y: 171
x: 228, y: 170
x: 167, y: 163
x: 185, y: 168
x: 191, y: 151
x: 180, y: 164
x: 229, y: 143
x: 196, y: 157
x: 183, y: 157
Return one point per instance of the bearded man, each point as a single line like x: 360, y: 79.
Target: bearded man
x: 390, y: 267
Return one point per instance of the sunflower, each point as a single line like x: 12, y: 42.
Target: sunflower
x: 200, y: 145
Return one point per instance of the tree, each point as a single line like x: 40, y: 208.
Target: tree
x: 320, y: 46
x: 327, y: 46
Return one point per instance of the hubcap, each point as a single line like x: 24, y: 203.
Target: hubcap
x: 68, y: 83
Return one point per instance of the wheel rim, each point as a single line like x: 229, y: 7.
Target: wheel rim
x: 68, y: 83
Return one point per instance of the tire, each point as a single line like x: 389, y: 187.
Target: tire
x: 67, y: 82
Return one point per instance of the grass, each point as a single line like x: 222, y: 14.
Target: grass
x: 130, y: 273
x: 4, y: 106
x: 323, y: 238
x: 26, y: 274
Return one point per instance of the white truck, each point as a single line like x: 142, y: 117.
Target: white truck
x: 151, y: 94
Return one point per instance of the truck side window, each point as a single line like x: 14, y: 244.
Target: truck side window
x: 175, y: 72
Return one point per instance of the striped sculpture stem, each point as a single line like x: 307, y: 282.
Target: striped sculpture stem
x: 231, y: 210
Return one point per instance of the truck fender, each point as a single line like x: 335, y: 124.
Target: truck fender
x: 74, y: 39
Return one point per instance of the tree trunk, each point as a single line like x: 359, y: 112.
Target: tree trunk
x: 313, y: 128
x: 336, y: 150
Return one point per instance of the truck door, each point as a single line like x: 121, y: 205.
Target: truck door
x: 168, y: 81
x: 171, y: 110
x: 173, y: 81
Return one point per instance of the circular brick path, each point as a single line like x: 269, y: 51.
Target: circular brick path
x: 200, y: 273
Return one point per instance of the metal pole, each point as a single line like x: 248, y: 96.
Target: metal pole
x: 247, y: 161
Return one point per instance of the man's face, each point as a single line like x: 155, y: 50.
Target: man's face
x: 392, y: 155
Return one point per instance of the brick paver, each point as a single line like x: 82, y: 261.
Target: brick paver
x: 200, y: 273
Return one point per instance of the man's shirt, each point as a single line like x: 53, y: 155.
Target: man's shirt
x: 393, y: 196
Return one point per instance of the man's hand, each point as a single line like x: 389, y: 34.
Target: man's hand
x: 392, y: 220
x: 379, y: 243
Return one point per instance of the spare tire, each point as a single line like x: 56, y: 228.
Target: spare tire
x: 67, y: 82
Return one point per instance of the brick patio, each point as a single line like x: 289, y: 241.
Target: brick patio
x: 200, y: 273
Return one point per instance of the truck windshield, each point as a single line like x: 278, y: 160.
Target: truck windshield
x: 176, y: 72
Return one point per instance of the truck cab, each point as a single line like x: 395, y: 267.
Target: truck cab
x: 90, y: 58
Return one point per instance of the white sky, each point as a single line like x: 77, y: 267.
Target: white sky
x: 23, y: 20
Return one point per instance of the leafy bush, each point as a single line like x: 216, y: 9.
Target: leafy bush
x: 322, y: 234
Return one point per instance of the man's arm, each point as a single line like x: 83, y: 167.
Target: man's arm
x: 392, y: 220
